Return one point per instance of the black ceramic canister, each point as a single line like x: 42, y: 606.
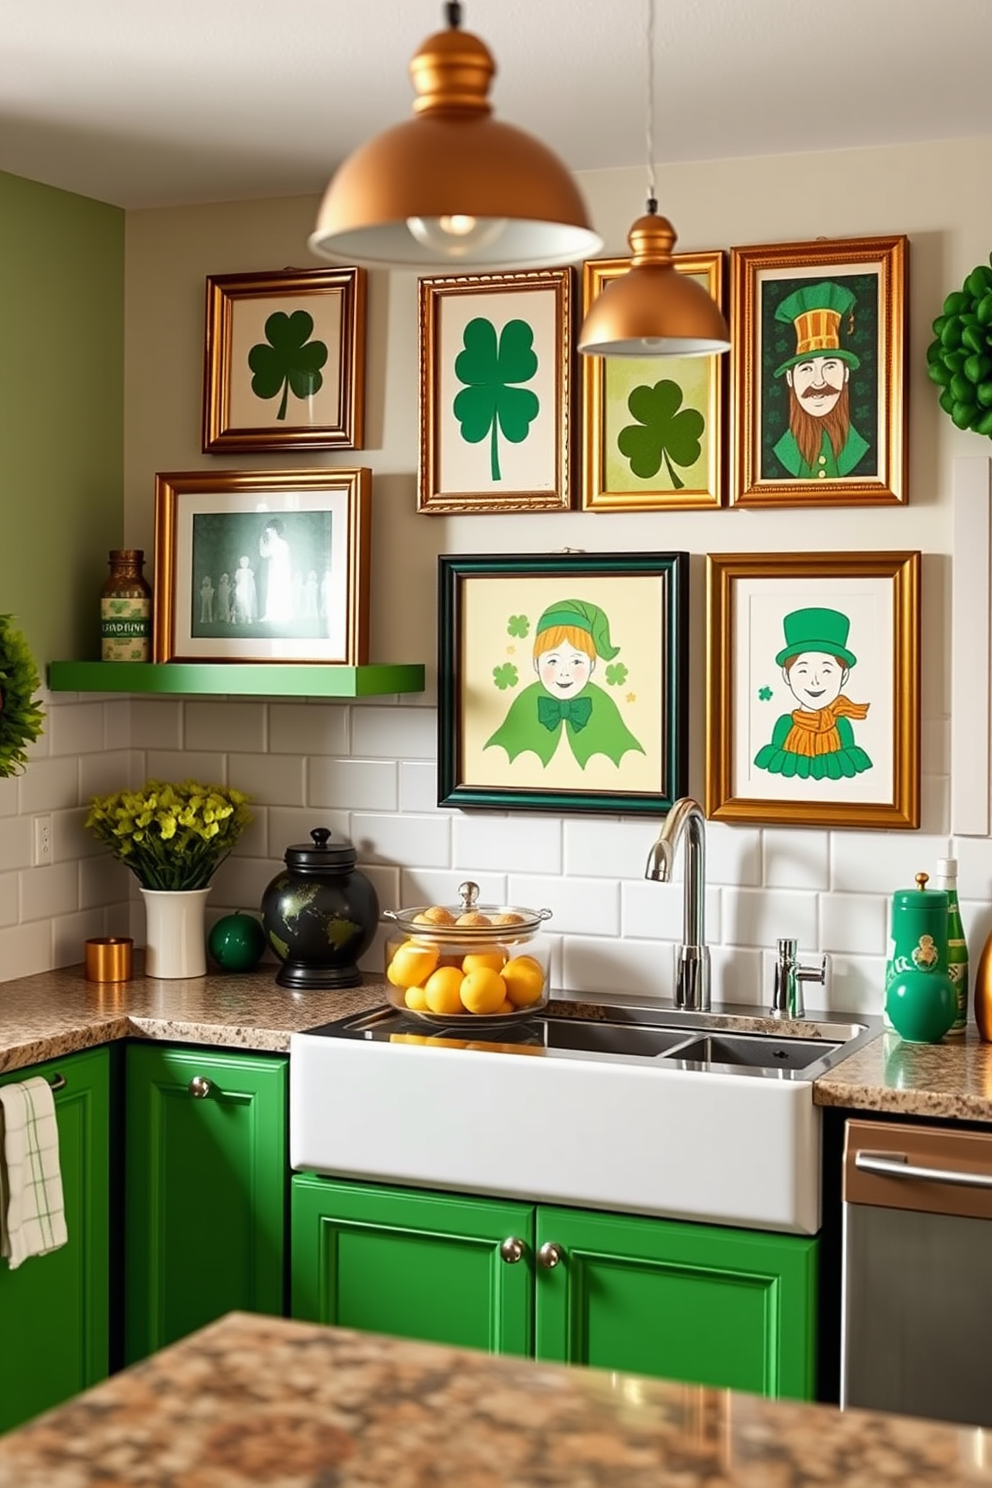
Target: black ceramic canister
x: 320, y: 913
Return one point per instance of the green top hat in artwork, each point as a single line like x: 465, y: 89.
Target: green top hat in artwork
x: 584, y: 616
x: 816, y: 630
x: 815, y: 310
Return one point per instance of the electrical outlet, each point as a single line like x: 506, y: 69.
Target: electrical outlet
x: 42, y: 841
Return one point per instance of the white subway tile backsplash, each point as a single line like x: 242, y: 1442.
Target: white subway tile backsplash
x: 356, y: 785
x: 521, y: 843
x: 733, y: 855
x: 50, y: 784
x: 402, y: 840
x: 224, y: 725
x: 418, y: 785
x: 269, y: 779
x: 240, y: 882
x: 50, y: 891
x: 854, y: 923
x: 291, y: 825
x: 656, y: 910
x: 25, y: 950
x: 605, y: 847
x: 103, y: 774
x: 70, y: 839
x: 737, y: 975
x: 157, y: 723
x: 70, y: 933
x: 77, y: 729
x: 856, y: 984
x: 308, y: 728
x: 178, y: 764
x: 578, y: 905
x: 103, y: 880
x: 795, y: 860
x: 870, y: 862
x: 9, y: 795
x: 629, y: 967
x: 9, y: 899
x: 396, y: 733
x: 758, y: 917
x: 16, y: 840
x: 419, y: 886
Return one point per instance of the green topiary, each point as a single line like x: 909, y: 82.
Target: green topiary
x: 21, y: 714
x: 960, y: 360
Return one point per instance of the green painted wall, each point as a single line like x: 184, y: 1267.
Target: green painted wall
x: 61, y: 411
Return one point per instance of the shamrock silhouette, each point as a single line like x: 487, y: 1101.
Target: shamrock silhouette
x: 661, y: 431
x: 290, y: 360
x: 517, y: 625
x: 505, y: 676
x: 616, y: 674
x: 489, y: 402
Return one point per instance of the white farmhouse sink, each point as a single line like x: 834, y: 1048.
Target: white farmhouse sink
x: 648, y: 1111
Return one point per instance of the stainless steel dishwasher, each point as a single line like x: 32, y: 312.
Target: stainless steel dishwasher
x: 916, y: 1330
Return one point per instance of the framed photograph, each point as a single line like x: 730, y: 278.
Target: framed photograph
x: 652, y: 430
x: 259, y: 565
x: 285, y: 361
x: 496, y: 392
x: 813, y: 689
x: 563, y: 681
x: 818, y: 334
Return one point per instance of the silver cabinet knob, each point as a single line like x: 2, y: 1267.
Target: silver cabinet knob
x: 512, y: 1250
x: 550, y: 1254
x: 200, y: 1087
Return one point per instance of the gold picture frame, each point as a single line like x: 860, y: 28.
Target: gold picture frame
x: 818, y: 377
x: 610, y: 481
x: 284, y: 364
x: 789, y: 628
x: 496, y: 392
x: 262, y: 566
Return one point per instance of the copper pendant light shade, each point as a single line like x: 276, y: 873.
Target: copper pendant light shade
x: 652, y: 309
x: 452, y: 186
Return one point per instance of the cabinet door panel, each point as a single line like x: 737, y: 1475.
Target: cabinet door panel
x: 54, y: 1309
x: 412, y: 1264
x: 711, y: 1306
x: 206, y: 1191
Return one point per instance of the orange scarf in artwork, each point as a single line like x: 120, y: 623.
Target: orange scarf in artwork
x: 816, y: 733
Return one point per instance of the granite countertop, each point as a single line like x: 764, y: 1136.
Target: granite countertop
x: 266, y: 1401
x: 55, y: 1013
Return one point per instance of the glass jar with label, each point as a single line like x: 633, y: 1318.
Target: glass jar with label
x: 126, y: 608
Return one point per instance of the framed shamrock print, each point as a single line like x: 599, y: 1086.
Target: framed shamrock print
x: 813, y: 689
x: 563, y: 681
x: 496, y: 392
x: 285, y: 361
x: 818, y: 332
x: 652, y: 429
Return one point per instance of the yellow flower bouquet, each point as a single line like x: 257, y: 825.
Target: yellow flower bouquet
x: 170, y: 836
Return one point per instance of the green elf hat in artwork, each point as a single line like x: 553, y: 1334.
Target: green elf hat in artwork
x: 816, y: 630
x: 815, y: 310
x: 583, y: 616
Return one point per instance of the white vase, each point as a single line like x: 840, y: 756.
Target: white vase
x: 175, y: 932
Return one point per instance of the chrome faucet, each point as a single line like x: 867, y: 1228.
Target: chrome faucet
x: 787, y: 996
x: 692, y: 977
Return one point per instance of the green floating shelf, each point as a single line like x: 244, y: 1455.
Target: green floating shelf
x: 245, y: 680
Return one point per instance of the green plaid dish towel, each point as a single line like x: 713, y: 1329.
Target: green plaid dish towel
x: 32, y: 1212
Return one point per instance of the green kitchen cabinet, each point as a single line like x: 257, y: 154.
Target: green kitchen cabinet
x: 54, y: 1309
x: 412, y: 1263
x: 717, y: 1306
x: 205, y: 1190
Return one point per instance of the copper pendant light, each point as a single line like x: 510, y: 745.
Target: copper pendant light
x: 452, y: 186
x: 652, y: 310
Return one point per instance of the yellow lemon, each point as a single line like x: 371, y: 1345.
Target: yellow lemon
x: 443, y: 990
x: 416, y: 998
x: 490, y: 956
x: 506, y: 1006
x: 524, y: 980
x: 435, y: 915
x: 482, y: 990
x: 508, y: 919
x: 473, y: 917
x: 412, y: 964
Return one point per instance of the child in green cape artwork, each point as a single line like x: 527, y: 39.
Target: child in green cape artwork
x: 564, y: 708
x: 816, y: 741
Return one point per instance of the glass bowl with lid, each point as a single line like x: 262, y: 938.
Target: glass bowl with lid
x: 467, y: 963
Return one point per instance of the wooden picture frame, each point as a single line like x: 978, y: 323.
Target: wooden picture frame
x: 818, y: 377
x: 284, y: 365
x: 496, y: 392
x: 627, y: 400
x: 790, y: 628
x: 560, y: 740
x: 300, y: 539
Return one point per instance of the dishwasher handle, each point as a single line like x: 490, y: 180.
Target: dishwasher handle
x: 889, y: 1166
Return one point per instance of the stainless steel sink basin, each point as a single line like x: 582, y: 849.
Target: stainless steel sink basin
x: 755, y: 1051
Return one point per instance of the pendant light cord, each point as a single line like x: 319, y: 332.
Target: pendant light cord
x: 649, y: 127
x: 454, y: 13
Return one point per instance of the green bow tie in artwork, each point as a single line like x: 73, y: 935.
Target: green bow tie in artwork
x: 551, y: 712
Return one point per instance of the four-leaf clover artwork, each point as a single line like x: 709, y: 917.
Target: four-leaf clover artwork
x: 665, y: 432
x: 492, y: 402
x: 287, y: 361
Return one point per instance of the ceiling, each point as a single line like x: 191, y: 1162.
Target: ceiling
x: 161, y: 102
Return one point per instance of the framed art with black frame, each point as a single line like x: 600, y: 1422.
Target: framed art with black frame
x: 563, y: 681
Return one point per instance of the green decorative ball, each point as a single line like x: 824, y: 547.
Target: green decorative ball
x: 959, y: 360
x: 237, y: 941
x: 922, y: 1005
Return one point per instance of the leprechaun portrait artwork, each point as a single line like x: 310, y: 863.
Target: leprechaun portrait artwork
x: 564, y: 708
x: 815, y: 741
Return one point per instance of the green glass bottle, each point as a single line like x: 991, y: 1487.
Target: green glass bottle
x: 957, y: 946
